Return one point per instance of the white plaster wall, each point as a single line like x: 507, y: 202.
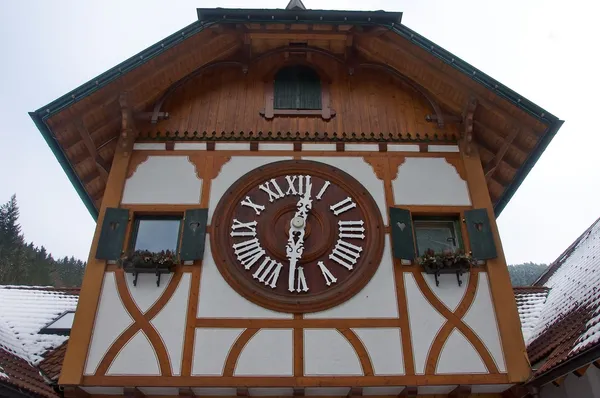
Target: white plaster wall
x: 211, y: 347
x: 448, y: 292
x: 552, y: 391
x: 425, y: 321
x: 362, y: 147
x: 149, y: 146
x: 268, y: 353
x: 163, y: 180
x: 376, y: 300
x: 384, y: 346
x: 137, y: 357
x: 459, y: 356
x: 443, y: 148
x: 276, y: 147
x: 429, y: 181
x: 111, y: 320
x: 403, y: 148
x: 232, y: 171
x: 170, y: 323
x: 191, y: 146
x: 318, y: 147
x: 481, y: 318
x: 363, y: 172
x: 145, y: 293
x: 327, y: 352
x: 232, y: 146
x: 218, y: 300
x: 578, y: 386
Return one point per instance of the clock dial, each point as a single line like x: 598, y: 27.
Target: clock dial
x: 297, y: 236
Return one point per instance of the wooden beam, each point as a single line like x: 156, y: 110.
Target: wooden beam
x: 298, y: 392
x: 409, y: 392
x: 242, y: 392
x: 186, y: 392
x: 491, y: 167
x: 148, y: 115
x: 91, y: 176
x: 102, y: 165
x: 467, y: 121
x: 355, y: 392
x: 460, y: 392
x: 581, y: 371
x: 295, y: 35
x: 75, y: 392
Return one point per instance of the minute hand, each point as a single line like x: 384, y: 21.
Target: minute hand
x: 295, y: 245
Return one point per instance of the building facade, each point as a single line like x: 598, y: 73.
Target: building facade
x: 295, y: 202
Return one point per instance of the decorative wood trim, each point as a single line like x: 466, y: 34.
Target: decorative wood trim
x: 505, y: 306
x: 186, y: 392
x: 254, y: 146
x: 458, y: 165
x: 83, y: 325
x: 395, y: 163
x: 102, y: 166
x: 461, y: 391
x: 142, y: 321
x: 457, y: 322
x: 361, y: 351
x: 380, y: 166
x: 340, y: 147
x: 75, y: 392
x: 355, y: 392
x: 297, y: 146
x: 467, y: 121
x: 137, y: 158
x: 409, y: 392
x: 290, y: 381
x: 383, y: 147
x: 242, y: 392
x: 170, y: 145
x: 559, y: 381
x: 236, y: 350
x: 296, y: 323
x: 423, y: 148
x: 190, y: 329
x: 298, y: 338
x: 442, y: 336
x: 133, y: 392
x: 581, y: 371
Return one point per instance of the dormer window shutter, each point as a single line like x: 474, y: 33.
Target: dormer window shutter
x: 403, y: 242
x: 194, y: 233
x: 481, y: 237
x: 112, y: 235
x: 297, y: 87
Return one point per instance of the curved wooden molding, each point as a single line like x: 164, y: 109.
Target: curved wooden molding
x: 361, y: 351
x: 236, y: 350
x: 395, y: 163
x: 458, y: 165
x: 456, y: 321
x: 379, y: 165
x: 208, y: 167
x: 141, y: 322
x: 136, y: 160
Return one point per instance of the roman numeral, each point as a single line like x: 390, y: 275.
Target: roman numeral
x: 291, y: 180
x: 248, y: 252
x: 302, y: 286
x: 272, y: 195
x: 342, y: 206
x: 329, y: 278
x: 345, y: 254
x: 351, y: 229
x: 257, y: 208
x: 323, y: 189
x: 268, y: 272
x: 250, y: 226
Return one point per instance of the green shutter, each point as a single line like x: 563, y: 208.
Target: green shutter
x: 112, y: 234
x: 297, y: 87
x: 194, y: 232
x: 481, y: 237
x: 403, y: 242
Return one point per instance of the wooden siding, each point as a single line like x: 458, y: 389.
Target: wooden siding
x: 366, y: 102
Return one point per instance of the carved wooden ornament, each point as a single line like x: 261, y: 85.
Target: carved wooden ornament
x: 297, y: 236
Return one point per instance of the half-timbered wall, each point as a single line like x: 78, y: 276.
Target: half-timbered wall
x: 401, y: 329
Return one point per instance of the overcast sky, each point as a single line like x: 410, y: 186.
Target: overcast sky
x: 544, y: 50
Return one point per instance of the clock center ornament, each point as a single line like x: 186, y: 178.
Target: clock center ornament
x: 297, y: 236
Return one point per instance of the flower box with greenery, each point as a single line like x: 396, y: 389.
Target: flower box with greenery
x: 147, y: 262
x: 448, y: 262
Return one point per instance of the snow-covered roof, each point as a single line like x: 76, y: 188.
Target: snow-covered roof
x: 530, y: 302
x: 24, y: 310
x: 569, y: 320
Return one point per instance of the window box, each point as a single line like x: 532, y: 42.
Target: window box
x: 147, y: 262
x: 447, y: 262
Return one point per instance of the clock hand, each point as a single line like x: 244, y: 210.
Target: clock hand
x: 295, y: 245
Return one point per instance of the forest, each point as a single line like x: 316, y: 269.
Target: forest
x: 23, y: 263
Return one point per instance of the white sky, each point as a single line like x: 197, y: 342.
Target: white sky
x: 544, y: 50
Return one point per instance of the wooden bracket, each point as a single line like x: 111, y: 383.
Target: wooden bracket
x: 298, y: 392
x: 133, y: 392
x: 75, y: 392
x: 102, y: 165
x: 467, y: 120
x: 355, y: 392
x: 186, y: 392
x: 491, y: 167
x: 242, y: 392
x: 128, y: 130
x: 151, y: 116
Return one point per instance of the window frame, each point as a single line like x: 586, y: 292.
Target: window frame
x: 147, y: 216
x: 456, y: 221
x: 269, y: 111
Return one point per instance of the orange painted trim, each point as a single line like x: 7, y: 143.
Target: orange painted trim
x: 236, y: 350
x: 451, y: 156
x: 505, y: 306
x: 298, y: 339
x: 190, y: 330
x: 361, y: 351
x: 308, y: 381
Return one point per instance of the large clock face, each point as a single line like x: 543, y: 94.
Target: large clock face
x: 297, y: 236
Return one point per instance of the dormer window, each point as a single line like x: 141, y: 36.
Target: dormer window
x: 297, y: 87
x: 297, y: 90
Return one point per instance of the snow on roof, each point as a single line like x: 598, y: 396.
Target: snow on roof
x: 24, y: 310
x: 569, y: 321
x: 530, y: 302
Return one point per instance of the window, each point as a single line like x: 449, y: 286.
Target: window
x: 437, y: 234
x: 156, y: 233
x: 61, y: 325
x: 297, y: 87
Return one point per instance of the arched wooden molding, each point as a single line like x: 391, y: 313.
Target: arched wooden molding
x: 304, y: 49
x: 196, y: 72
